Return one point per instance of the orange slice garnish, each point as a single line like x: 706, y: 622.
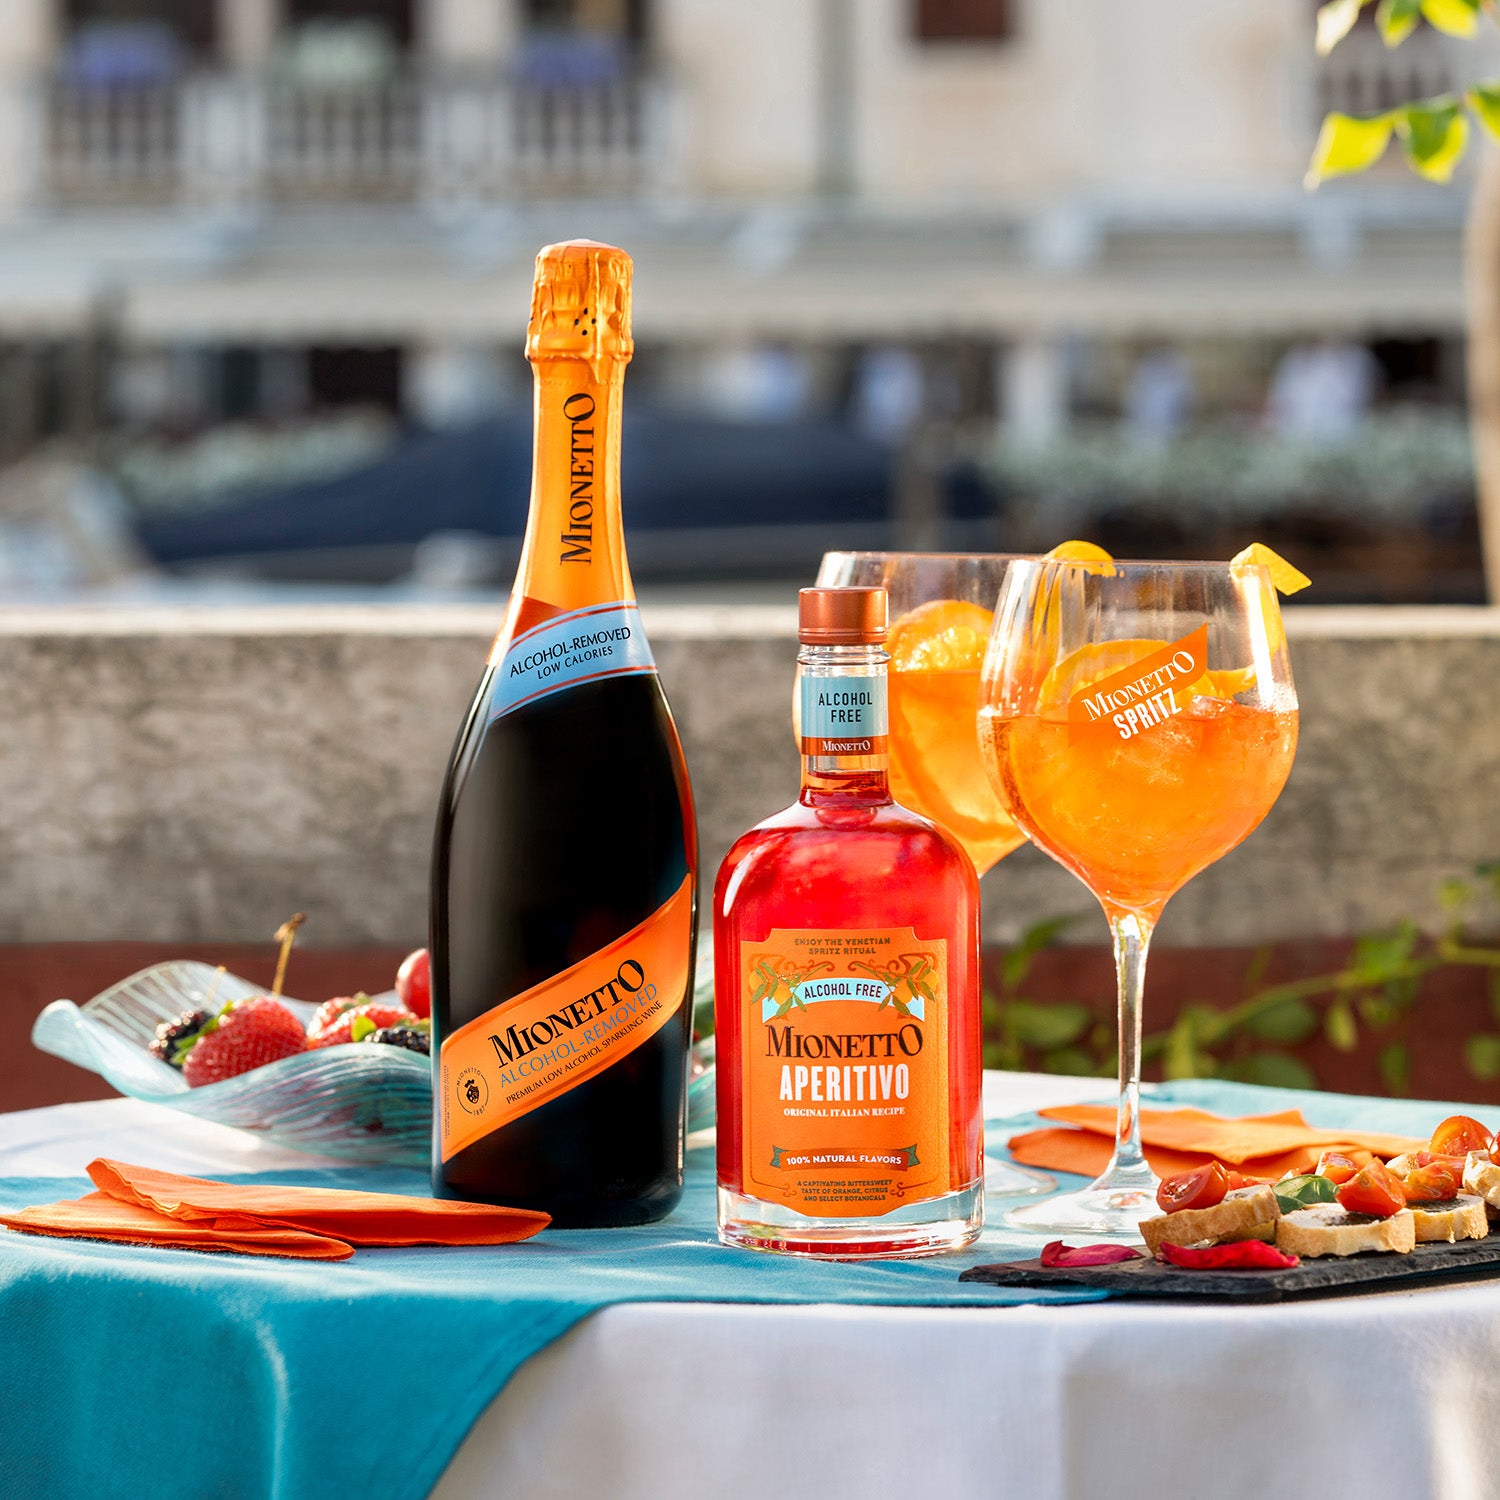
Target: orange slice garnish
x: 1095, y: 559
x: 1046, y: 609
x: 1089, y: 664
x: 1284, y: 577
x: 943, y: 635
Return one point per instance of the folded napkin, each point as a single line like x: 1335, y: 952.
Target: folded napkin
x: 356, y: 1218
x: 97, y: 1216
x: 140, y: 1206
x: 1178, y: 1140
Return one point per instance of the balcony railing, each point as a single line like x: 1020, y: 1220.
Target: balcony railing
x: 236, y: 137
x: 1362, y: 76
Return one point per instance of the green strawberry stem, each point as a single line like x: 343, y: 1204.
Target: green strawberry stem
x: 213, y: 989
x: 286, y: 935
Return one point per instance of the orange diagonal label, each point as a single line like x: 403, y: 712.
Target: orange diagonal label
x: 1146, y: 693
x: 550, y: 1038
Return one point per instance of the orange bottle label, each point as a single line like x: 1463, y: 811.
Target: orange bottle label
x: 550, y: 1038
x: 845, y: 1070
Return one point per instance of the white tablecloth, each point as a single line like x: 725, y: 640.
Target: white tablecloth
x: 1392, y: 1394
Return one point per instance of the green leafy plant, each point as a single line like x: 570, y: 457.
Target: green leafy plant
x: 1388, y: 471
x: 1375, y: 993
x: 1434, y: 132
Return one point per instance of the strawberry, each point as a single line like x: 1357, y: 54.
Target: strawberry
x: 352, y: 1025
x: 414, y: 982
x: 329, y: 1012
x: 245, y: 1034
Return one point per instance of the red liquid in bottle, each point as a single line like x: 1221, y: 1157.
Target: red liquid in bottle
x: 847, y: 1002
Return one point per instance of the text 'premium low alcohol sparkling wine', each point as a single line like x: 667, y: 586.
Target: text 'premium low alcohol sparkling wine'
x: 564, y: 874
x: 846, y: 987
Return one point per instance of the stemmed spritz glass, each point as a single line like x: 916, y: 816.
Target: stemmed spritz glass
x: 1138, y: 720
x: 941, y: 610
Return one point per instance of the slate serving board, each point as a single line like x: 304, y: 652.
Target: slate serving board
x: 1326, y: 1276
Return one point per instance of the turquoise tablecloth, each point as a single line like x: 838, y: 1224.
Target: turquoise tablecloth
x: 132, y: 1372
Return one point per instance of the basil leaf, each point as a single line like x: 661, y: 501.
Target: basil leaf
x: 1303, y: 1192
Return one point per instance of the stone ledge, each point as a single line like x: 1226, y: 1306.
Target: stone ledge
x: 189, y: 774
x: 663, y: 621
x: 113, y: 621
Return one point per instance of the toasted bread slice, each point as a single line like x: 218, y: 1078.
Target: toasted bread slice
x: 1482, y: 1176
x: 1405, y: 1164
x: 1245, y: 1214
x: 1460, y: 1218
x: 1330, y: 1229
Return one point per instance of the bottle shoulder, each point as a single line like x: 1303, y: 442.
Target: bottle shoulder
x: 888, y: 850
x: 887, y: 820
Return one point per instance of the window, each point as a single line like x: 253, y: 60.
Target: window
x: 394, y: 17
x: 354, y: 377
x: 963, y: 20
x: 624, y: 19
x: 125, y: 26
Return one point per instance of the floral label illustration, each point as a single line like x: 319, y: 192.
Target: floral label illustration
x: 1145, y: 694
x: 845, y: 1069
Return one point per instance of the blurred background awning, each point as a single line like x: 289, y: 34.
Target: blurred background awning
x: 840, y: 278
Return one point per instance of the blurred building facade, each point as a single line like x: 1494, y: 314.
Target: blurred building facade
x: 986, y: 210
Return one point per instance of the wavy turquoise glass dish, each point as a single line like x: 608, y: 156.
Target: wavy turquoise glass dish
x: 363, y: 1102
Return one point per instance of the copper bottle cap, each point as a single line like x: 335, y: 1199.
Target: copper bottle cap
x: 841, y: 617
x: 580, y: 304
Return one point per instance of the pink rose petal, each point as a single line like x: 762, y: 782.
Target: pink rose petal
x: 1059, y: 1254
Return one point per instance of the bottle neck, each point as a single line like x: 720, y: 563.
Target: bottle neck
x: 574, y: 552
x: 842, y: 725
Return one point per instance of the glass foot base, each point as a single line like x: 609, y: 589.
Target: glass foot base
x: 1103, y: 1211
x: 1005, y: 1179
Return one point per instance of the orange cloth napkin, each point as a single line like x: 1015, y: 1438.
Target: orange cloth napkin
x: 1178, y: 1140
x: 97, y: 1216
x: 140, y: 1206
x: 354, y: 1217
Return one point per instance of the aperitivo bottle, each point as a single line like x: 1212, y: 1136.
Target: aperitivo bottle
x: 564, y: 878
x: 846, y: 987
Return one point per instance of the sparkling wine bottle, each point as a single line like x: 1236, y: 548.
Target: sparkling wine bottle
x: 564, y: 878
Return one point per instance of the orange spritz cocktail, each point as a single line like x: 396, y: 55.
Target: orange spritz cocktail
x: 942, y: 612
x: 1136, y: 819
x: 1138, y: 720
x: 936, y: 652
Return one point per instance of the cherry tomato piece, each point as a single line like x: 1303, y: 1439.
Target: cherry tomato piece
x: 414, y: 983
x: 1374, y: 1189
x: 1202, y: 1188
x: 1432, y: 1182
x: 1340, y: 1166
x: 1460, y: 1134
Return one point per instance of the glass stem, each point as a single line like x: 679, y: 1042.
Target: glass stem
x: 1132, y: 937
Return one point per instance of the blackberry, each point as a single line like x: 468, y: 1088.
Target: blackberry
x: 403, y: 1036
x: 170, y: 1033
